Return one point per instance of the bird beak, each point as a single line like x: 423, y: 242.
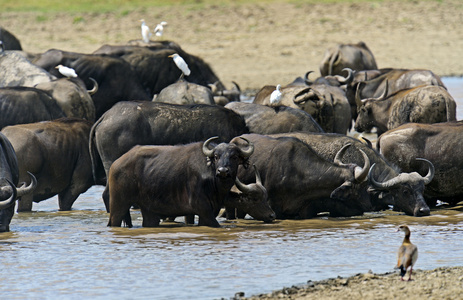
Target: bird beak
x: 171, y: 55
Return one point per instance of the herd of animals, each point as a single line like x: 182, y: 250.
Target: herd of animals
x: 176, y: 144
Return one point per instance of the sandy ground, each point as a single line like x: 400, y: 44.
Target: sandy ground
x: 268, y: 43
x: 273, y: 43
x: 438, y: 284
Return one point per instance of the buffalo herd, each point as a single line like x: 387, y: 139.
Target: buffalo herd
x: 191, y: 147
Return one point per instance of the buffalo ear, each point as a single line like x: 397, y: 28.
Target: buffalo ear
x: 343, y: 192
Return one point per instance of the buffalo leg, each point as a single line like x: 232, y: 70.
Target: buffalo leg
x: 149, y: 219
x: 118, y: 214
x: 208, y: 220
x: 25, y: 203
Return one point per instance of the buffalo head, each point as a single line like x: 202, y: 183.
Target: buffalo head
x: 226, y: 157
x: 405, y: 191
x: 252, y: 200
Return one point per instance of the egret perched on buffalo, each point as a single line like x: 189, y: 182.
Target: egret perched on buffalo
x: 159, y: 29
x: 66, y: 71
x: 145, y: 31
x: 275, y: 97
x: 181, y: 64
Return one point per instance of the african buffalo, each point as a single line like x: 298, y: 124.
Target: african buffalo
x: 174, y: 181
x: 128, y: 124
x: 17, y: 70
x: 354, y: 56
x: 72, y: 96
x: 301, y: 183
x: 441, y: 144
x: 251, y: 198
x: 117, y: 81
x: 183, y: 92
x: 21, y: 105
x: 372, y: 83
x: 326, y: 104
x: 157, y: 70
x: 263, y: 119
x: 9, y: 177
x: 57, y: 153
x: 387, y: 184
x: 422, y: 104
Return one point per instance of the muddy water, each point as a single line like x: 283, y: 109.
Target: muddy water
x: 73, y: 255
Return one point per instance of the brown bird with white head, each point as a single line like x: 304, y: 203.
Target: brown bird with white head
x: 407, y: 255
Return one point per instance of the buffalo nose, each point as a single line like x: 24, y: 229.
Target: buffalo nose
x: 222, y: 172
x: 424, y: 211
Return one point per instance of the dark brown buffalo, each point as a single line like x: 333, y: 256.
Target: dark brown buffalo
x: 179, y: 180
x: 116, y: 79
x: 441, y: 143
x: 326, y: 104
x: 56, y: 152
x: 9, y: 178
x: 387, y: 184
x: 21, y: 105
x: 300, y: 183
x: 128, y: 124
x: 263, y: 119
x: 422, y: 104
x: 157, y: 70
x: 354, y: 56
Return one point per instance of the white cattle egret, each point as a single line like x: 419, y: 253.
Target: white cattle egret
x: 181, y: 64
x: 275, y: 97
x: 145, y: 31
x: 159, y: 30
x: 65, y: 71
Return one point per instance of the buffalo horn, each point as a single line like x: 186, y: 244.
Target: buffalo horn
x: 358, y: 101
x: 306, y: 78
x: 338, y: 157
x: 249, y: 150
x: 384, y: 94
x: 8, y: 202
x: 348, y: 79
x: 361, y: 173
x: 248, y: 188
x: 208, y: 152
x: 28, y: 189
x: 95, y: 87
x: 402, y: 177
x: 306, y: 94
x: 427, y: 179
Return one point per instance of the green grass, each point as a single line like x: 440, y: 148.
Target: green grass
x: 127, y: 5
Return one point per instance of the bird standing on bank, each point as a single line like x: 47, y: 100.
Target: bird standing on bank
x: 66, y: 71
x: 145, y: 31
x: 275, y: 97
x: 407, y: 255
x: 181, y: 64
x: 159, y: 29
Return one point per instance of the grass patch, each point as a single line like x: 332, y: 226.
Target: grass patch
x: 101, y: 6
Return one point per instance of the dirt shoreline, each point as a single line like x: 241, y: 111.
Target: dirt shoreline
x: 271, y: 43
x: 440, y: 283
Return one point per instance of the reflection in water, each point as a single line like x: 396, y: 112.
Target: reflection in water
x: 73, y: 254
